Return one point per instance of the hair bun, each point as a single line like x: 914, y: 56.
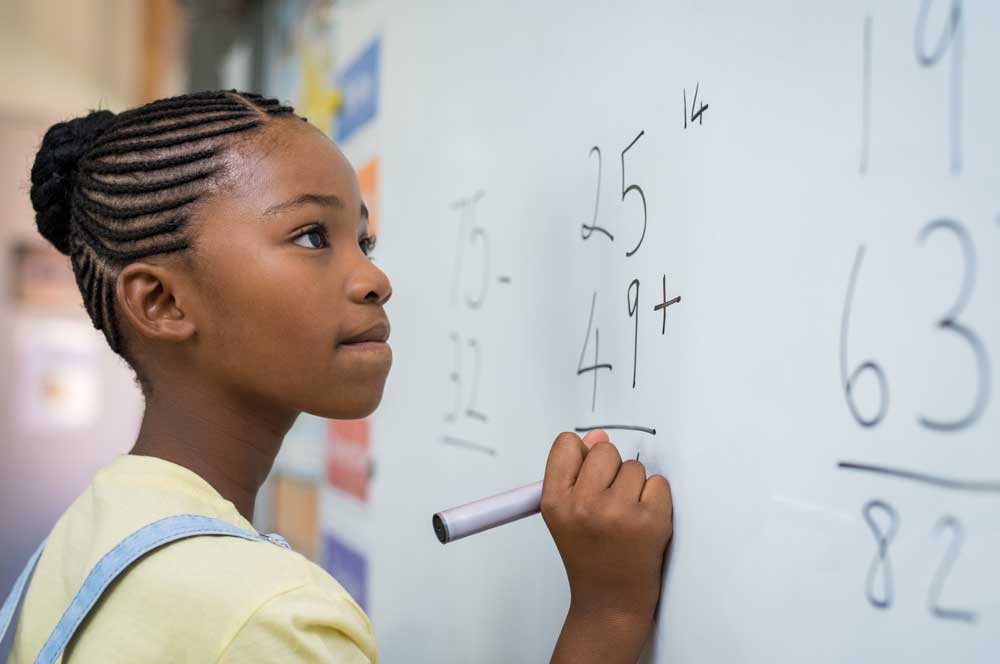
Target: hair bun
x: 53, y: 174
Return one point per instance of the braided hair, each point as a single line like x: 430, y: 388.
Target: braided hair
x: 111, y: 189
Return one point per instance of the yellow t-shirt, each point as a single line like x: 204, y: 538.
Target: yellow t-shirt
x: 202, y: 599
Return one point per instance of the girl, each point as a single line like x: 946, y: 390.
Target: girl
x: 220, y: 244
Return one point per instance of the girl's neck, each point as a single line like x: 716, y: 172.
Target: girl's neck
x: 229, y: 443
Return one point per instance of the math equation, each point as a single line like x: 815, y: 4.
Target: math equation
x: 868, y: 385
x: 591, y: 365
x: 473, y: 278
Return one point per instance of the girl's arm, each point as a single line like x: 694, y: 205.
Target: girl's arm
x: 611, y: 526
x: 600, y: 638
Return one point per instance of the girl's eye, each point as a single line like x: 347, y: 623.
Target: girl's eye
x: 315, y: 238
x: 367, y: 244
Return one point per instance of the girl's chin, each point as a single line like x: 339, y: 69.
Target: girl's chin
x: 360, y: 405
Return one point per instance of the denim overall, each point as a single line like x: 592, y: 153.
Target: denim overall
x: 112, y: 564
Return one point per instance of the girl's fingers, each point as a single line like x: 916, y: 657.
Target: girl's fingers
x: 566, y: 458
x: 563, y: 465
x: 594, y: 437
x: 599, y: 468
x: 630, y: 480
x: 656, y: 494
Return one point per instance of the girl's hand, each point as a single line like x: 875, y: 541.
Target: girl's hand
x: 611, y: 526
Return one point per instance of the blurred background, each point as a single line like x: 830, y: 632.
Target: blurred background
x: 69, y: 404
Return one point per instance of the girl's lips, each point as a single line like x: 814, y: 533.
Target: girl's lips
x: 378, y: 332
x: 366, y: 347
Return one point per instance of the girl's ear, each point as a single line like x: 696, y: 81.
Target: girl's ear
x: 149, y: 299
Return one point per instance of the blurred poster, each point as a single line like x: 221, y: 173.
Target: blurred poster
x: 348, y: 566
x: 302, y: 67
x: 43, y: 279
x: 295, y: 508
x: 302, y: 452
x: 56, y: 375
x: 368, y: 183
x: 359, y: 85
x: 347, y: 459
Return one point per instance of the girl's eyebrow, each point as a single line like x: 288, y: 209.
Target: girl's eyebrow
x: 327, y: 200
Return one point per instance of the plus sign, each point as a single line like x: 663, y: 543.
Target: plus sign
x: 666, y: 303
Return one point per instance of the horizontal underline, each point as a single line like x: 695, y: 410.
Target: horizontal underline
x: 461, y: 442
x: 627, y: 427
x: 926, y: 478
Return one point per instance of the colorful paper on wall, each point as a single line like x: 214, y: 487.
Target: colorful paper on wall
x: 295, y: 506
x: 347, y: 465
x: 57, y: 386
x: 368, y: 183
x: 348, y: 566
x: 359, y: 87
x: 44, y: 280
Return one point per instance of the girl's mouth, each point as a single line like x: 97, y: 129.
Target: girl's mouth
x: 365, y: 346
x: 377, y: 334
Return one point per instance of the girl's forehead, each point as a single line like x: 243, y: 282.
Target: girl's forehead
x: 293, y: 158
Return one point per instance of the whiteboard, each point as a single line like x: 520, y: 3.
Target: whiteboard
x: 818, y: 182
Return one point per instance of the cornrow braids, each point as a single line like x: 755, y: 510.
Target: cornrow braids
x: 111, y: 189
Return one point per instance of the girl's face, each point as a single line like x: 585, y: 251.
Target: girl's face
x: 289, y: 308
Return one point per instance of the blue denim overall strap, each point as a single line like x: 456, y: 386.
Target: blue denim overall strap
x: 12, y: 606
x: 113, y: 563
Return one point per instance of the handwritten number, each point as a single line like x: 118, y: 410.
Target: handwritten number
x: 951, y: 35
x: 695, y: 114
x: 880, y: 564
x: 596, y: 366
x: 866, y: 96
x: 881, y: 595
x: 849, y: 381
x: 475, y: 302
x: 470, y: 409
x: 633, y: 310
x: 950, y: 39
x: 950, y: 322
x: 456, y: 377
x: 934, y: 596
x: 636, y: 188
x: 466, y: 208
x: 587, y: 230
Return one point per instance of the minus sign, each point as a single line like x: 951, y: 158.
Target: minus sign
x: 461, y: 442
x: 624, y: 427
x: 504, y: 280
